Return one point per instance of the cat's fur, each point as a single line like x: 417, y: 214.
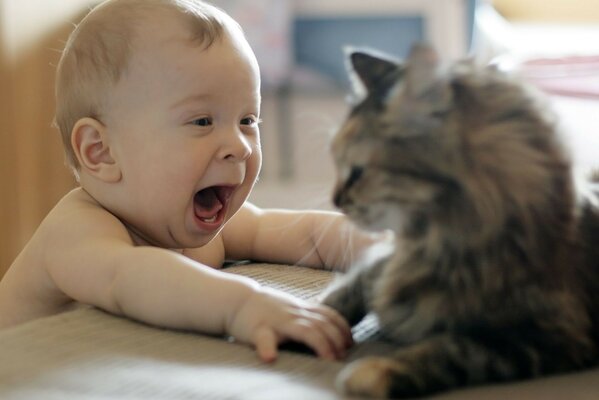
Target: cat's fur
x: 495, y: 273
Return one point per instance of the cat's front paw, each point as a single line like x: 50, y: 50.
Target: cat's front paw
x: 331, y: 298
x: 378, y: 377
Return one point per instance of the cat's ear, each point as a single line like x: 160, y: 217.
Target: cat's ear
x: 422, y: 69
x: 369, y: 71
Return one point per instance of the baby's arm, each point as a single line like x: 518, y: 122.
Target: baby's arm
x: 95, y: 262
x: 321, y: 239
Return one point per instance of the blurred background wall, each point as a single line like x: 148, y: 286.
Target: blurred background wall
x: 298, y: 43
x: 33, y: 176
x: 573, y: 11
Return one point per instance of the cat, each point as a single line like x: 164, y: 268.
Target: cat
x: 494, y: 275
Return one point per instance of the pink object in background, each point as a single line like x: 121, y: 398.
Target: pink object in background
x: 576, y: 76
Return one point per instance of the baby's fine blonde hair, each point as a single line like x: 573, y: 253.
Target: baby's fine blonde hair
x: 99, y: 49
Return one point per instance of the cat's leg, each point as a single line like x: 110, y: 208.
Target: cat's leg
x: 350, y: 294
x: 448, y: 361
x: 428, y: 366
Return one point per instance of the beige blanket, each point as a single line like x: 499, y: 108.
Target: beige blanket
x: 88, y: 354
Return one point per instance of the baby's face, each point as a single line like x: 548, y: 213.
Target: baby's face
x: 183, y: 124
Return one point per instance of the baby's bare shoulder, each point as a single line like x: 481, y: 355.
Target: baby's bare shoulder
x: 74, y: 204
x: 65, y: 238
x: 73, y: 230
x: 78, y: 216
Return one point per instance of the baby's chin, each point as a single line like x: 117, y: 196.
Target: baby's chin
x: 192, y: 240
x: 206, y: 239
x: 172, y: 240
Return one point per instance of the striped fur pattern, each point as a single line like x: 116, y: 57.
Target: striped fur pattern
x: 495, y: 273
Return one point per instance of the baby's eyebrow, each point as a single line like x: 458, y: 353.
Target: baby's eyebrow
x: 190, y: 99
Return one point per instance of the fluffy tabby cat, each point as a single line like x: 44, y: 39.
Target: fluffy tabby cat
x: 495, y: 273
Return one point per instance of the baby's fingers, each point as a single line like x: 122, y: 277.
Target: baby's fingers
x: 314, y: 336
x: 342, y: 327
x: 266, y: 344
x: 337, y: 337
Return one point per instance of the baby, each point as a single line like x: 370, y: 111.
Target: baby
x: 158, y: 104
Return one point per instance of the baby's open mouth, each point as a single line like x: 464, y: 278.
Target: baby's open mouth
x: 210, y: 203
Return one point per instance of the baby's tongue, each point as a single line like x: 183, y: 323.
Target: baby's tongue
x: 206, y: 203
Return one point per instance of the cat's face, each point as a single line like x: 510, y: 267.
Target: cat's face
x: 383, y: 150
x: 425, y: 142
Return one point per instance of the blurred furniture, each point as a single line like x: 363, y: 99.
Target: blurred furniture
x: 322, y: 29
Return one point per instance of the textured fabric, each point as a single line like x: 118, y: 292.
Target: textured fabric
x: 88, y: 354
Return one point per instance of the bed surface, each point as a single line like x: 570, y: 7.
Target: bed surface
x: 88, y: 354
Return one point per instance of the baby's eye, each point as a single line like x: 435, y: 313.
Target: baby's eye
x: 205, y: 121
x: 251, y: 121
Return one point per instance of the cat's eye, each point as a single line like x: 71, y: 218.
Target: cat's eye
x: 204, y: 121
x: 439, y: 114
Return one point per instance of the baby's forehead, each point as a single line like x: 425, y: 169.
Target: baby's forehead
x: 168, y: 34
x: 161, y: 33
x: 167, y: 54
x: 161, y: 29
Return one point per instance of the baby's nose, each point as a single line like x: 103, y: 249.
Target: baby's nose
x: 237, y: 147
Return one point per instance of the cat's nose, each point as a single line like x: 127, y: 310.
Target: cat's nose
x: 354, y: 175
x: 340, y: 192
x: 338, y: 196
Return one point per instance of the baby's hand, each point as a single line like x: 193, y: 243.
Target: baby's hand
x: 269, y: 317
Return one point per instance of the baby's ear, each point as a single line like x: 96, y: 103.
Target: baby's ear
x: 92, y: 149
